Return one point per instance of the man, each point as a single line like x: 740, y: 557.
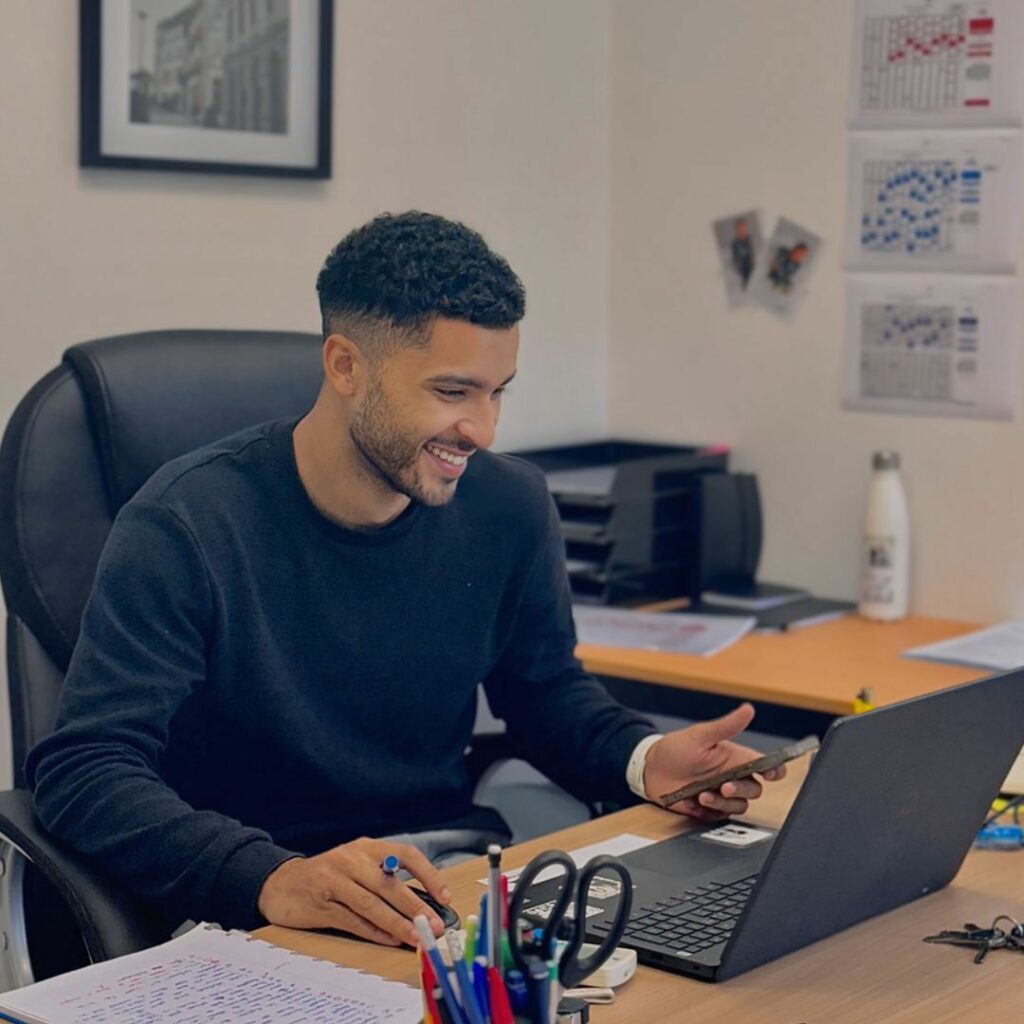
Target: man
x: 281, y: 652
x: 784, y: 267
x: 742, y: 251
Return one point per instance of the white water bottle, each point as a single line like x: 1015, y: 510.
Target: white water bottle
x: 885, y: 567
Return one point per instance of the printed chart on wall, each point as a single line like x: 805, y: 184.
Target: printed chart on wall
x: 937, y: 63
x: 933, y: 202
x: 933, y: 345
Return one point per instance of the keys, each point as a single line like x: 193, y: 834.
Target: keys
x: 984, y: 940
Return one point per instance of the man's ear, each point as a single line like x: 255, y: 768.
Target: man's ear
x: 345, y: 365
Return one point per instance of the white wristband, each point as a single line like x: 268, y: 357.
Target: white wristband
x: 637, y: 760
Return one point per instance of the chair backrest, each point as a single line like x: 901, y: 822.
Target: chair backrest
x: 82, y: 442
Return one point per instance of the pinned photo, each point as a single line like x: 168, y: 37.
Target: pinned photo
x: 785, y: 267
x: 738, y: 239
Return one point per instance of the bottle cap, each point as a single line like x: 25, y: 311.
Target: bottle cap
x: 885, y: 460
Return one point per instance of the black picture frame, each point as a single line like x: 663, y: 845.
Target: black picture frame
x: 96, y: 151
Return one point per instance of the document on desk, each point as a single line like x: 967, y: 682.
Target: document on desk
x: 214, y: 977
x: 659, y: 631
x: 615, y: 846
x: 997, y: 647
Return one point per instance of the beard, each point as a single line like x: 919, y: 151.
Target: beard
x: 392, y: 456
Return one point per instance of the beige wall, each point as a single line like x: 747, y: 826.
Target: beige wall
x: 592, y: 141
x: 718, y: 106
x: 492, y: 112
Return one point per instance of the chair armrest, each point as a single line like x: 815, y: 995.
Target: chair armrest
x: 486, y: 749
x: 111, y: 922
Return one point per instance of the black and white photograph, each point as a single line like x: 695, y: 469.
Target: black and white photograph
x: 236, y: 86
x: 210, y: 64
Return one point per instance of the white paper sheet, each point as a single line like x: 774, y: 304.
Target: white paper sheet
x: 651, y: 631
x: 593, y: 481
x: 996, y: 647
x: 937, y: 63
x: 1014, y: 782
x: 218, y: 978
x: 1000, y: 648
x: 932, y: 345
x: 933, y: 201
x: 616, y: 846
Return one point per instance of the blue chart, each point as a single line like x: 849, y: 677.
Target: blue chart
x: 944, y: 201
x: 916, y: 206
x: 909, y: 327
x: 934, y: 344
x: 910, y: 351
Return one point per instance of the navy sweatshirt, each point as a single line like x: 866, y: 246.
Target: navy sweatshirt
x: 253, y: 680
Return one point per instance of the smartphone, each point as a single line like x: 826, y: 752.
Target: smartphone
x: 742, y: 771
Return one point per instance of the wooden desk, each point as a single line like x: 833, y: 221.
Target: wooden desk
x: 819, y: 668
x: 879, y: 970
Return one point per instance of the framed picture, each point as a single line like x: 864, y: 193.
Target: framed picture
x: 221, y: 86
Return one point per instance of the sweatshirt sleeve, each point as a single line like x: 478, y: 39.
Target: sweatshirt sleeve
x: 559, y: 717
x: 96, y: 780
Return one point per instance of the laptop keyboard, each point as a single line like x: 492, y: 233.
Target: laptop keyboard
x: 693, y: 921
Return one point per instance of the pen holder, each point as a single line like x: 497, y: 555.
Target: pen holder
x: 570, y: 1011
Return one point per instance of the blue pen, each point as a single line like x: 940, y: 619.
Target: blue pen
x: 470, y: 1002
x: 390, y: 865
x: 518, y: 994
x: 429, y: 946
x: 442, y: 1007
x: 481, y: 932
x: 467, y: 993
x: 483, y: 993
x: 539, y: 992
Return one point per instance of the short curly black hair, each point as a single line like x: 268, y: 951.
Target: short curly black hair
x: 386, y: 283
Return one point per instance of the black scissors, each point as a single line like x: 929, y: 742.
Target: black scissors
x: 577, y: 887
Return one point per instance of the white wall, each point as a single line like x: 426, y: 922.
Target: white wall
x: 494, y: 113
x: 718, y: 106
x: 592, y: 141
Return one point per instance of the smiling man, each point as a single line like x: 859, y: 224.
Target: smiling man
x: 281, y: 653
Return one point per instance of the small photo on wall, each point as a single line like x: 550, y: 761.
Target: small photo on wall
x: 784, y: 267
x: 738, y: 240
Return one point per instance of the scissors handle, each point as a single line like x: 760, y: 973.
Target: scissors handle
x: 543, y: 861
x: 572, y: 968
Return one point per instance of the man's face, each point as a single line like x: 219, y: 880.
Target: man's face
x: 426, y: 410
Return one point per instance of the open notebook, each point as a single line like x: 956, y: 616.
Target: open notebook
x: 208, y: 976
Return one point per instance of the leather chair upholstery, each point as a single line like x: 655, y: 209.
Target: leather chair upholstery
x: 77, y: 447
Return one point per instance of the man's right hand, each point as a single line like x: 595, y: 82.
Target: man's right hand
x: 346, y: 889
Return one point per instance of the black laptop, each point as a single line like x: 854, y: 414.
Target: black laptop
x: 887, y: 814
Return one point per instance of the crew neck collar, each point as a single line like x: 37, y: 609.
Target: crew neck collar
x: 338, y: 531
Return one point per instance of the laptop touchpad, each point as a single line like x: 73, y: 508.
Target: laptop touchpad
x: 729, y: 844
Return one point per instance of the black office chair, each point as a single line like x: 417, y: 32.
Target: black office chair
x: 77, y: 448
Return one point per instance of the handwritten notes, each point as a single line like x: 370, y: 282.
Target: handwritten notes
x: 208, y: 976
x: 668, y: 631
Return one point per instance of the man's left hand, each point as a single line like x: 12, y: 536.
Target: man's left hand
x: 701, y: 751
